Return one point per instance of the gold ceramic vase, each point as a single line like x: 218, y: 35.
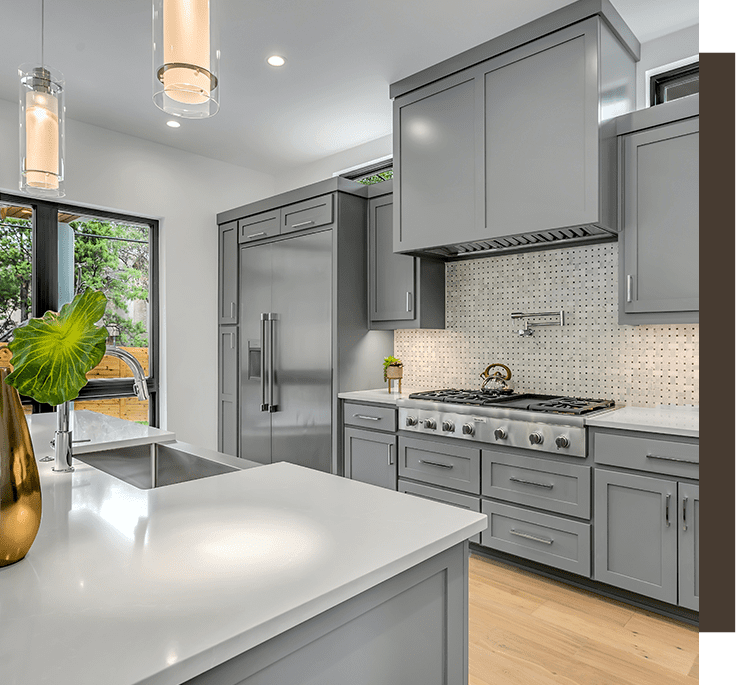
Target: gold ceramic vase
x: 20, y: 486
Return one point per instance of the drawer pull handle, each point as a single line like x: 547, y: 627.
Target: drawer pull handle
x: 528, y: 536
x: 531, y: 482
x: 302, y: 223
x: 436, y: 463
x: 684, y: 461
x: 366, y: 417
x: 255, y: 235
x: 684, y: 513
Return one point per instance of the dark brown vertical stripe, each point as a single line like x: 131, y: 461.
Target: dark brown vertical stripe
x: 717, y: 341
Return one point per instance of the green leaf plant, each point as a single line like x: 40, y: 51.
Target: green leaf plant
x: 53, y: 354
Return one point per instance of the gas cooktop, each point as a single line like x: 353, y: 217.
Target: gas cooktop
x: 550, y: 404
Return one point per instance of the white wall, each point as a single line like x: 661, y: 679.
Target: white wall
x: 113, y: 171
x: 661, y: 51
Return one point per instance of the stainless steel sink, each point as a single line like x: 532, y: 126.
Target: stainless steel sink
x: 152, y: 466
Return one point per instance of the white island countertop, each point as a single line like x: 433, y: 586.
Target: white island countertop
x: 126, y: 586
x: 667, y: 419
x: 377, y: 395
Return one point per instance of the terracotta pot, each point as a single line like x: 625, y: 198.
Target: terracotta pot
x: 20, y: 486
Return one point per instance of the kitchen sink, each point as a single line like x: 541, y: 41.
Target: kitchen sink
x: 152, y: 466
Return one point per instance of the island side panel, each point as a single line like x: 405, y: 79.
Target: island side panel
x: 411, y: 629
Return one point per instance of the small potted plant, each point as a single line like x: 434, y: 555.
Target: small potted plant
x: 393, y: 368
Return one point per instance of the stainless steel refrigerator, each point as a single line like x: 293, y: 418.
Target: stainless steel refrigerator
x: 303, y: 338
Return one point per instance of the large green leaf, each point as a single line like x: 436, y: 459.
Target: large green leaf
x: 52, y: 355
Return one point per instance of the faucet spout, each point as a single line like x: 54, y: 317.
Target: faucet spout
x: 139, y: 384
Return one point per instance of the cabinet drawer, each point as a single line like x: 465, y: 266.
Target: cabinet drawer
x: 307, y: 214
x: 444, y: 496
x: 555, y: 486
x: 369, y: 416
x: 440, y: 464
x: 259, y: 226
x: 643, y: 452
x: 546, y: 539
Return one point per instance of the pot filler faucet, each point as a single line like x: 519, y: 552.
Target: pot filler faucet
x: 62, y: 442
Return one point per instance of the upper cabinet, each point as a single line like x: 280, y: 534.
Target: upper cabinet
x: 403, y: 291
x: 511, y: 144
x: 658, y: 254
x: 228, y: 250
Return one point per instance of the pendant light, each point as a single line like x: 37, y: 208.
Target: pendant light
x: 186, y: 58
x: 42, y: 114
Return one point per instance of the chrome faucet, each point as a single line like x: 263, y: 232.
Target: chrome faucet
x: 62, y: 442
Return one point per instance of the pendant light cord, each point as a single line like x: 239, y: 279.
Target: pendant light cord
x: 42, y: 16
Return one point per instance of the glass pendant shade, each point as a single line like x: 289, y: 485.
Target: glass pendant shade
x: 186, y: 58
x: 41, y: 131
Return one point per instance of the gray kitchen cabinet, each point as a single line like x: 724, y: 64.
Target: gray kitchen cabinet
x: 519, y: 142
x: 636, y: 533
x: 227, y: 430
x: 688, y: 508
x: 228, y: 259
x: 403, y: 291
x: 370, y: 457
x: 259, y: 226
x: 659, y: 242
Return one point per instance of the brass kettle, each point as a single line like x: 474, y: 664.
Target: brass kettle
x: 497, y: 376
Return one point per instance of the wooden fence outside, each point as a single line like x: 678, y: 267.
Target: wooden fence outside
x: 129, y: 408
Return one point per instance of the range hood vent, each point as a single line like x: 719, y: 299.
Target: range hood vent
x: 524, y: 242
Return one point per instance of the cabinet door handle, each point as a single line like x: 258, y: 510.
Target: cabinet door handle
x: 408, y: 301
x: 629, y: 288
x: 684, y: 513
x: 528, y: 536
x: 256, y: 235
x: 366, y: 417
x: 530, y: 482
x: 302, y: 223
x: 232, y: 310
x: 390, y: 455
x: 436, y: 463
x: 658, y: 456
x: 232, y: 340
x: 667, y: 510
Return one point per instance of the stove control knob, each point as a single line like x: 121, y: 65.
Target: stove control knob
x: 500, y: 434
x: 411, y: 420
x: 448, y: 426
x: 562, y: 441
x: 536, y: 438
x: 468, y: 429
x: 430, y: 423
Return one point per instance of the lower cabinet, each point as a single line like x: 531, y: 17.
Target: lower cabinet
x: 227, y: 429
x: 644, y: 541
x: 370, y: 457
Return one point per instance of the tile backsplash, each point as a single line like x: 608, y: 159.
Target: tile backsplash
x: 591, y: 356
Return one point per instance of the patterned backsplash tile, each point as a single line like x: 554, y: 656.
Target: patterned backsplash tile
x: 591, y: 356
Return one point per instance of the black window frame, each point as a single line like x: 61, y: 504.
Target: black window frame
x: 45, y: 285
x: 658, y: 82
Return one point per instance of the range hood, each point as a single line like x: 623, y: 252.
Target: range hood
x: 525, y: 242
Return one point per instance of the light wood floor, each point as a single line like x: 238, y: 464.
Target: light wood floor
x: 525, y: 629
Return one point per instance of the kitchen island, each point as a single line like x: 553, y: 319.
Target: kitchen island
x: 271, y: 574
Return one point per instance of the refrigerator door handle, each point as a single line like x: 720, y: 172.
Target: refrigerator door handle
x: 272, y: 403
x: 264, y: 356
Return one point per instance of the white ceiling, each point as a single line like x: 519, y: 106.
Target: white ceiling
x: 331, y: 95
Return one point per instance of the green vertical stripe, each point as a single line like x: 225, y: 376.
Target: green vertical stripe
x: 717, y: 658
x: 717, y: 26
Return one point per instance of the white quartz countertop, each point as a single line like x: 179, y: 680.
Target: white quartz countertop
x: 125, y: 586
x: 91, y: 431
x: 667, y: 419
x: 377, y: 396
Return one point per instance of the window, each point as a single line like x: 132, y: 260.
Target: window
x: 371, y: 173
x: 49, y: 253
x: 673, y: 84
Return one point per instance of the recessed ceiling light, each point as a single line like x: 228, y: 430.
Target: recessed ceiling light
x: 276, y: 61
x: 173, y: 124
